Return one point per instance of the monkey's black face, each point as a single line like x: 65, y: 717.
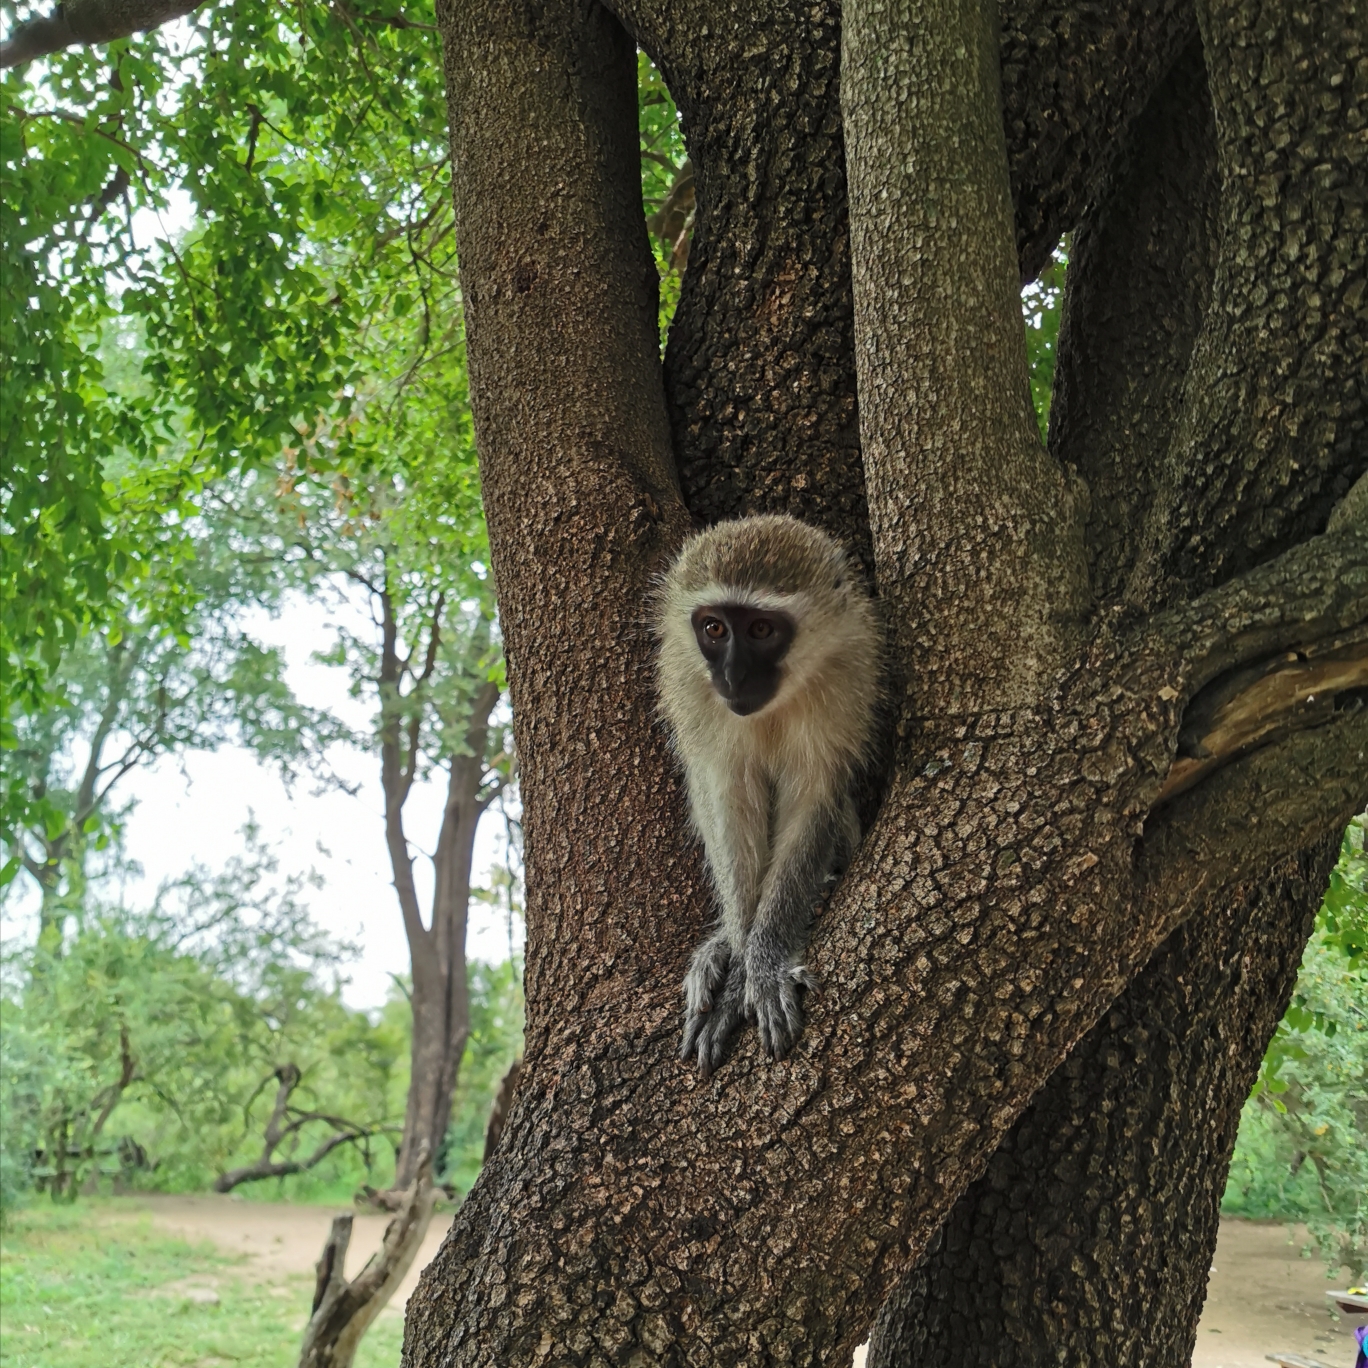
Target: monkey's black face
x: 743, y: 647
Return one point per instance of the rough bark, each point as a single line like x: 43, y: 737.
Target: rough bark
x: 1074, y: 77
x: 760, y: 376
x: 1275, y: 422
x: 1090, y: 1236
x: 1140, y: 269
x: 760, y: 365
x: 1017, y: 878
x: 85, y: 22
x: 982, y: 617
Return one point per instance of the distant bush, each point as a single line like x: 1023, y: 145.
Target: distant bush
x: 144, y: 1055
x: 1303, y: 1146
x: 143, y: 1049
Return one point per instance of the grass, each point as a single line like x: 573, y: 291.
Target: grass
x: 89, y: 1287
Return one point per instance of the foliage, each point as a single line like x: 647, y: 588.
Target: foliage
x: 666, y: 184
x: 145, y: 1052
x: 147, y: 1048
x: 1302, y: 1149
x: 308, y: 311
x: 146, y: 686
x: 98, y: 1286
x: 1042, y: 303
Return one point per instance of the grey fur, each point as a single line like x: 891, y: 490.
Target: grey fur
x: 769, y: 793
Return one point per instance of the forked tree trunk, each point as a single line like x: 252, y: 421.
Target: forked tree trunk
x: 1031, y: 855
x: 1090, y: 1237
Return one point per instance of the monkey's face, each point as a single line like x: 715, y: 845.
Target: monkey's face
x: 744, y: 648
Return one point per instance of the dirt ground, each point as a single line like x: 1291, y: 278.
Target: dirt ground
x: 1263, y: 1295
x: 282, y: 1240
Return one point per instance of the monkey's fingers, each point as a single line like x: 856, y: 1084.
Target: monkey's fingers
x: 707, y: 1037
x: 693, y: 1028
x: 779, y: 1017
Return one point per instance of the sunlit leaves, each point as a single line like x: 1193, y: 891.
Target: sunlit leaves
x: 1041, y: 305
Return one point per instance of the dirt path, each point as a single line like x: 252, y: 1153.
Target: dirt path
x: 282, y: 1240
x: 1263, y: 1295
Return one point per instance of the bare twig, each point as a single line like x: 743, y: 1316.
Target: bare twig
x: 285, y: 1123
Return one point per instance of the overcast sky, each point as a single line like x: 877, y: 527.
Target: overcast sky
x: 191, y: 809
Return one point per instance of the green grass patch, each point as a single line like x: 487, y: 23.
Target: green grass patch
x: 88, y: 1286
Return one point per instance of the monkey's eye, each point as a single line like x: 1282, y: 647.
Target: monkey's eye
x: 714, y: 628
x: 760, y: 629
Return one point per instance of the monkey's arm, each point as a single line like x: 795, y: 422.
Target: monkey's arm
x: 732, y: 818
x: 775, y: 972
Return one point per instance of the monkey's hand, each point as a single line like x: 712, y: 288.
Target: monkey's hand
x: 713, y: 1006
x: 706, y: 974
x: 707, y: 1034
x: 774, y: 1001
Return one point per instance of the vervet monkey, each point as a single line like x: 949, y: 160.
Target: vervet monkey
x: 769, y: 678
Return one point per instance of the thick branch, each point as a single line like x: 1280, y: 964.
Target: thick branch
x: 979, y: 542
x: 88, y: 22
x: 1140, y: 269
x: 1276, y: 405
x: 1089, y: 1238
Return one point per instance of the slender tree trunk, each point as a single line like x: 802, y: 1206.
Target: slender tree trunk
x: 441, y: 997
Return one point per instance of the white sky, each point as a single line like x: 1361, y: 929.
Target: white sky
x: 191, y: 808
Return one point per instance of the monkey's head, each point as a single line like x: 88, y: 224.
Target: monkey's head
x: 744, y: 646
x: 756, y: 613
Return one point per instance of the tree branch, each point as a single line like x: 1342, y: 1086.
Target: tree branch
x: 127, y: 1068
x: 978, y: 539
x: 278, y: 1130
x: 88, y: 22
x: 1074, y: 78
x: 343, y: 1310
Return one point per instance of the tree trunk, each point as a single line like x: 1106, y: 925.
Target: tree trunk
x: 1031, y: 855
x: 441, y: 998
x: 1090, y: 1237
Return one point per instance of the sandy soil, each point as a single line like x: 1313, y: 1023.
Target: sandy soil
x: 1264, y: 1298
x: 281, y: 1240
x: 1263, y: 1295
